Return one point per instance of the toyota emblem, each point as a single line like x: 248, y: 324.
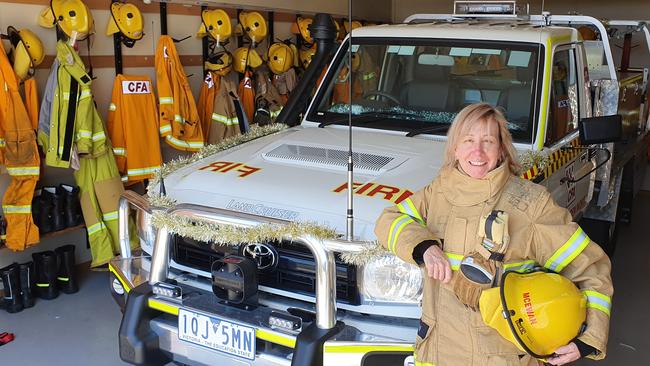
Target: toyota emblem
x: 263, y: 255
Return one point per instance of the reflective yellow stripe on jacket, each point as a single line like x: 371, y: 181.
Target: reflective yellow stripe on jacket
x: 225, y: 119
x: 520, y: 267
x: 23, y: 171
x: 407, y: 207
x: 396, y: 228
x: 567, y: 252
x: 596, y: 300
x: 17, y: 209
x: 420, y: 363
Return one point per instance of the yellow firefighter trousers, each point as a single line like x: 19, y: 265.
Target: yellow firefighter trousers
x: 100, y: 188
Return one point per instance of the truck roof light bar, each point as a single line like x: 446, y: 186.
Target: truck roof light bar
x: 486, y: 8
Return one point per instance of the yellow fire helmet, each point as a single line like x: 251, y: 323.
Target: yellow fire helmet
x: 220, y: 63
x: 355, y: 24
x: 294, y: 52
x: 27, y: 51
x: 245, y: 56
x: 306, y: 55
x: 126, y: 19
x: 538, y: 311
x: 280, y: 58
x: 72, y: 16
x: 301, y: 26
x: 254, y: 25
x: 215, y: 23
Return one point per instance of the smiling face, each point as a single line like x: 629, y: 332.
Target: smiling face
x: 478, y: 151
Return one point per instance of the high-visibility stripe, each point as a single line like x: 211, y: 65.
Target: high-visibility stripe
x: 110, y: 216
x: 3, y: 237
x: 178, y: 118
x: 143, y: 171
x: 112, y: 107
x: 3, y: 143
x: 165, y: 128
x: 125, y: 178
x: 275, y: 338
x: 420, y: 363
x: 96, y: 228
x: 42, y: 285
x: 119, y: 151
x: 185, y: 144
x: 26, y: 170
x: 225, y: 119
x: 567, y: 252
x: 166, y: 100
x: 99, y: 136
x: 66, y: 96
x: 407, y: 207
x: 521, y: 267
x: 126, y: 287
x: 84, y: 134
x: 454, y: 260
x: 164, y: 307
x: 15, y: 209
x: 66, y: 279
x: 599, y: 301
x: 365, y: 348
x: 395, y: 228
x: 368, y: 76
x: 85, y: 94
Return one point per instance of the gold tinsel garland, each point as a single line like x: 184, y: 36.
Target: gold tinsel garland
x: 168, y: 168
x: 530, y: 158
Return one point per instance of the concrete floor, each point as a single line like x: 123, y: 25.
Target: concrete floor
x: 81, y: 329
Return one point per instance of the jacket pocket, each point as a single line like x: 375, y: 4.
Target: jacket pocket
x: 490, y: 342
x: 20, y: 147
x: 455, y: 235
x: 424, y: 342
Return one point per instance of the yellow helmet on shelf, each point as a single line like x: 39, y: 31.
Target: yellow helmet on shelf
x: 538, y: 311
x: 220, y: 63
x: 126, y: 19
x: 254, y: 25
x: 306, y: 55
x: 215, y: 23
x: 355, y: 24
x: 280, y: 58
x: 244, y: 56
x: 27, y: 52
x: 301, y: 26
x: 72, y: 16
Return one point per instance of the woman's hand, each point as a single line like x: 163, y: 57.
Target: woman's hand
x: 437, y: 264
x: 564, y: 355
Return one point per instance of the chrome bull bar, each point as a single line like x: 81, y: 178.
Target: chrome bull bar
x: 322, y: 250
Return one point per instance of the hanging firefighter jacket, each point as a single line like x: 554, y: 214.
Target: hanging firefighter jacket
x: 20, y: 158
x: 341, y: 92
x: 285, y: 83
x: 247, y: 94
x: 268, y: 102
x: 217, y: 108
x: 31, y: 101
x: 75, y: 129
x: 133, y: 128
x: 179, y: 118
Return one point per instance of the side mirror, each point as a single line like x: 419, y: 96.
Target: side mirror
x: 598, y: 130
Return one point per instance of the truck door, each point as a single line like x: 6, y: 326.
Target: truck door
x: 561, y: 133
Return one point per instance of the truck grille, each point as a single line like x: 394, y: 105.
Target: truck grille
x: 295, y: 271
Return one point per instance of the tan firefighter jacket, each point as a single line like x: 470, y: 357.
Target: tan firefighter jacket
x: 267, y: 96
x: 216, y: 108
x: 541, y: 232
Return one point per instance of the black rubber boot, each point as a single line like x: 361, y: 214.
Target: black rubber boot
x: 36, y: 211
x: 13, y: 302
x: 71, y: 206
x: 46, y: 269
x: 67, y: 277
x: 27, y: 283
x: 53, y: 195
x: 45, y: 204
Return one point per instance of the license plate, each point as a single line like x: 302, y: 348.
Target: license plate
x: 215, y: 333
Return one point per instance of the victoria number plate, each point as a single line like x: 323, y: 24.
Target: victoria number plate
x: 215, y: 333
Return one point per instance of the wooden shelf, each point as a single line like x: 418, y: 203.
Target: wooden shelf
x: 62, y: 232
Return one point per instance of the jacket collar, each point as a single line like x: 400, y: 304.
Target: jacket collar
x: 463, y: 190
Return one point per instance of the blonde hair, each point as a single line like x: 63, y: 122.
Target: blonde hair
x: 479, y: 113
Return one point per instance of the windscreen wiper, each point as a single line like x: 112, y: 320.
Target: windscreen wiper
x: 366, y: 117
x: 428, y: 129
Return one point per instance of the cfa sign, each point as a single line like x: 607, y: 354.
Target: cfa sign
x: 136, y: 87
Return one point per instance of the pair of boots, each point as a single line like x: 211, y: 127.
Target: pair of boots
x: 49, y: 272
x: 57, y: 208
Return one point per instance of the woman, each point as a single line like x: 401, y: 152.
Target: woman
x: 445, y: 222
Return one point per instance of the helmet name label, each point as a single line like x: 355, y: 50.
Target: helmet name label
x: 529, y: 309
x: 136, y: 87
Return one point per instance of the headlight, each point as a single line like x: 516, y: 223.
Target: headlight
x: 146, y: 231
x: 392, y: 280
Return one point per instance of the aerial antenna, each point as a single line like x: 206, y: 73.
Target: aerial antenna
x: 349, y: 229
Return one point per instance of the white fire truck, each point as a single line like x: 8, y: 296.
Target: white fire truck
x: 299, y: 299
